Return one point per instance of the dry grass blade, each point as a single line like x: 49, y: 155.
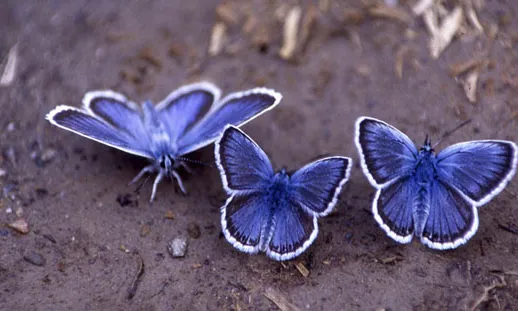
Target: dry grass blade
x: 473, y: 18
x: 217, y: 39
x: 280, y: 300
x: 302, y: 269
x: 394, y: 13
x: 225, y: 13
x: 421, y: 6
x: 487, y: 289
x: 308, y: 23
x: 460, y: 68
x: 470, y: 85
x: 400, y: 56
x: 443, y: 36
x: 291, y: 25
x: 9, y: 73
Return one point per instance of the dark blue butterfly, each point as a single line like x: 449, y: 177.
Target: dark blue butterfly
x: 432, y: 196
x: 188, y: 119
x: 274, y: 212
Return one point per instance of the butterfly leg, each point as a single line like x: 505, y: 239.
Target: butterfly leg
x: 158, y: 179
x: 147, y: 169
x: 179, y: 181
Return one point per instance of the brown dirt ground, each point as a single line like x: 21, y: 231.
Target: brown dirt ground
x: 70, y: 202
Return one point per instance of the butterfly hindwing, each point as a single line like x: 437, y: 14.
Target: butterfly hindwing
x: 235, y: 109
x: 294, y: 230
x: 479, y: 169
x: 242, y: 219
x: 242, y: 163
x: 316, y: 186
x: 385, y: 152
x: 393, y: 207
x: 186, y: 106
x: 452, y: 220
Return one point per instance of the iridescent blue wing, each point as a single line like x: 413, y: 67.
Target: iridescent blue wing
x: 243, y: 219
x: 452, y: 219
x: 316, y: 186
x: 393, y: 207
x: 243, y: 165
x: 95, y: 128
x: 235, y: 109
x: 293, y: 231
x: 479, y: 169
x: 386, y: 154
x: 186, y: 106
x: 117, y: 111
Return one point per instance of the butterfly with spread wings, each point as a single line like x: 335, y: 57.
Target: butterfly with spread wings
x: 273, y: 212
x: 188, y: 119
x: 432, y: 196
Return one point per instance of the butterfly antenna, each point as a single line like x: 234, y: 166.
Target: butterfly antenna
x: 139, y: 187
x: 195, y: 162
x: 448, y: 133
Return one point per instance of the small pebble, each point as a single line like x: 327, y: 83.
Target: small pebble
x: 169, y: 215
x: 144, y: 230
x: 11, y: 155
x: 34, y: 258
x: 19, y: 212
x: 20, y: 225
x: 177, y: 247
x: 48, y: 155
x: 193, y: 229
x: 8, y: 210
x: 11, y: 127
x: 2, y: 172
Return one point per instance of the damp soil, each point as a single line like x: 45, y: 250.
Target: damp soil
x: 95, y: 243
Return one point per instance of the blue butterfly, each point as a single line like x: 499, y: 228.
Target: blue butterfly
x: 188, y: 119
x: 432, y: 196
x: 274, y: 212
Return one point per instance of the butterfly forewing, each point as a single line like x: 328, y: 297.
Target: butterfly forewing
x: 479, y: 169
x: 385, y: 153
x: 86, y: 125
x: 242, y: 163
x: 452, y: 221
x: 235, y: 109
x: 316, y: 186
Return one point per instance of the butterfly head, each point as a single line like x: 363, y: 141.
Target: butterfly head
x: 427, y: 146
x: 167, y: 164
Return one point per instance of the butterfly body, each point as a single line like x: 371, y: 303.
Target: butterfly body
x: 432, y: 196
x: 269, y: 212
x: 188, y: 119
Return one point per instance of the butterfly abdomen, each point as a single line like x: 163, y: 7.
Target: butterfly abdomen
x: 421, y: 209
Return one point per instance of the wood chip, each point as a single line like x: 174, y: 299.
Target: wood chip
x: 280, y: 300
x: 226, y: 14
x: 291, y: 25
x: 147, y: 55
x: 421, y: 6
x: 473, y: 18
x: 323, y: 5
x: 442, y: 37
x: 400, y: 57
x: 20, y: 225
x: 306, y: 29
x: 169, y: 215
x: 460, y: 68
x: 470, y: 85
x: 217, y: 39
x: 302, y: 269
x: 353, y: 16
x: 11, y: 62
x: 394, y: 13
